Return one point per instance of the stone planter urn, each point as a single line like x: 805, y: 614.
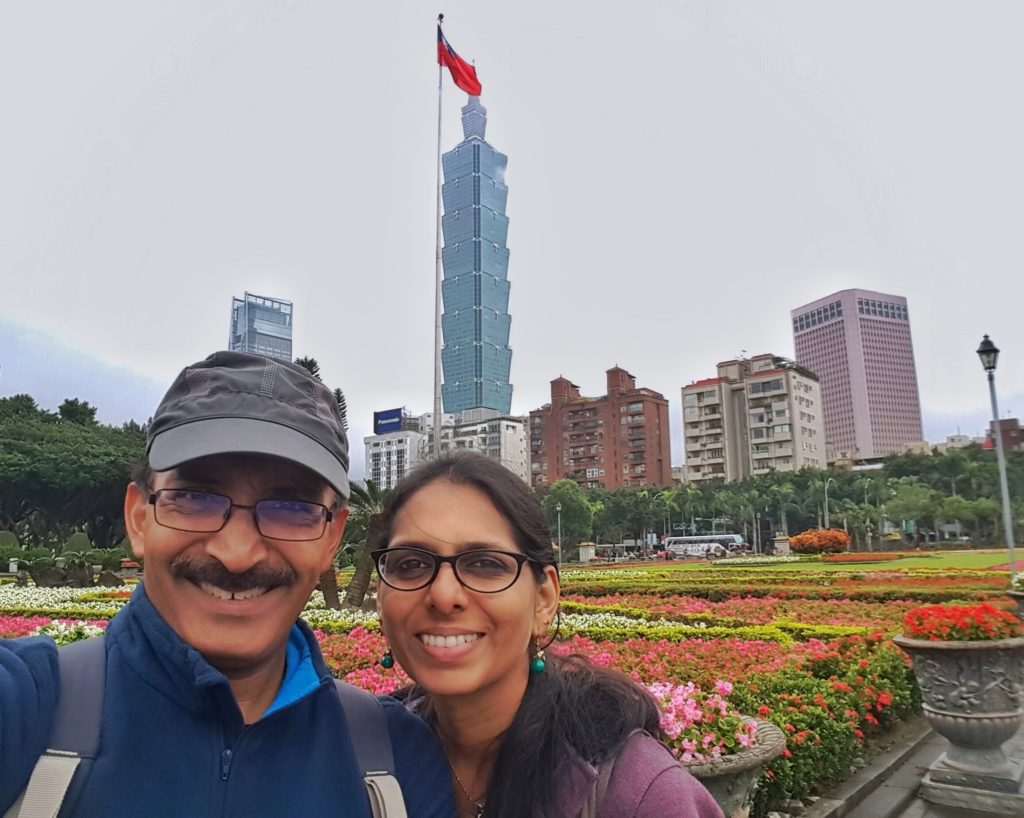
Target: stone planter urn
x: 1018, y: 597
x: 731, y: 779
x: 972, y: 693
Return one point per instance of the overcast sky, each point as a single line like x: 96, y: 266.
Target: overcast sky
x: 681, y: 175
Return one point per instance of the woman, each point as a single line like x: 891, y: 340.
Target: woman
x: 469, y: 591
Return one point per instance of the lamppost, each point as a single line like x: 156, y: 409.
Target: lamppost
x: 558, y: 510
x: 830, y: 480
x: 989, y: 354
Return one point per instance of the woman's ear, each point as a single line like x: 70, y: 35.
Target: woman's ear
x: 547, y: 601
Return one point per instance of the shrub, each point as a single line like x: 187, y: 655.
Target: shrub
x: 824, y: 541
x: 8, y: 538
x: 78, y: 542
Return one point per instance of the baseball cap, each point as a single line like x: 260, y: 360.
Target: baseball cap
x: 240, y: 403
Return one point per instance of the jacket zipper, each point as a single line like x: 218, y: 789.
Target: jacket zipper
x: 225, y: 765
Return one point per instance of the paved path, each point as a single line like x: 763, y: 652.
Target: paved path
x: 887, y: 788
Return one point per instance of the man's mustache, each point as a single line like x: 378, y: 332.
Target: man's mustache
x: 212, y: 571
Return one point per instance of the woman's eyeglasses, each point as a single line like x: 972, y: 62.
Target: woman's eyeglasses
x: 482, y: 570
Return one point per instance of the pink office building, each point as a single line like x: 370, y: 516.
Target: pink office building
x: 858, y: 343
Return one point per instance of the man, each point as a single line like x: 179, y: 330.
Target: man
x: 218, y: 702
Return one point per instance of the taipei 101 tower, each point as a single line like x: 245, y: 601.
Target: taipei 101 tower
x: 476, y: 357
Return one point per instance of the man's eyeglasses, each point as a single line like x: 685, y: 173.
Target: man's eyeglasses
x: 202, y: 512
x: 481, y: 570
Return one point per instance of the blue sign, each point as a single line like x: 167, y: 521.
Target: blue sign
x: 390, y: 420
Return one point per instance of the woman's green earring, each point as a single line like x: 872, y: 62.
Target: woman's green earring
x: 538, y: 665
x: 387, y: 661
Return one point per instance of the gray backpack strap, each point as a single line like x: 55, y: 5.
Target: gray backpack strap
x: 75, y: 739
x: 372, y: 744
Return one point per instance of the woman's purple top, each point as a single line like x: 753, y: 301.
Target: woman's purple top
x: 647, y: 781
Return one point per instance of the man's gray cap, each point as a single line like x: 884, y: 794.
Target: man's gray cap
x: 239, y: 403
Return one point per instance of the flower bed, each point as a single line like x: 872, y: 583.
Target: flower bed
x: 749, y: 562
x: 851, y: 557
x: 958, y: 623
x: 807, y: 650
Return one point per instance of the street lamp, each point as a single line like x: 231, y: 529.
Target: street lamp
x: 558, y: 510
x: 989, y: 354
x: 830, y: 480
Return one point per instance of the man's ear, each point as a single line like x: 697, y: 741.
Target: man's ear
x: 335, y: 530
x: 136, y: 506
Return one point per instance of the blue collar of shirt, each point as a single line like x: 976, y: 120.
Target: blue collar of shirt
x: 300, y: 675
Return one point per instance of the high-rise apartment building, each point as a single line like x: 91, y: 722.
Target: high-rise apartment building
x: 616, y: 440
x: 476, y: 357
x: 759, y: 415
x: 858, y: 343
x: 390, y: 456
x: 261, y: 325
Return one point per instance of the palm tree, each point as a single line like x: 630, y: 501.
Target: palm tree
x: 785, y: 496
x: 367, y: 503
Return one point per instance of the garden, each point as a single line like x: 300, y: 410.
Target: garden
x: 807, y: 646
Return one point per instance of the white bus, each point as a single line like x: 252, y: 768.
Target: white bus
x: 703, y: 545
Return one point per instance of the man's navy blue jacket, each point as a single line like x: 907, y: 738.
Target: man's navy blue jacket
x: 174, y: 742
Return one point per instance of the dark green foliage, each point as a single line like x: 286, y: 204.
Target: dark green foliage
x: 58, y: 474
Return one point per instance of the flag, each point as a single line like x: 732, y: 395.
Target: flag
x: 463, y: 73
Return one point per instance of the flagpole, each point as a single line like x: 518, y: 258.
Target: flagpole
x: 437, y: 277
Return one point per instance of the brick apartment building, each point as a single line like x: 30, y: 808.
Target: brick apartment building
x: 618, y: 440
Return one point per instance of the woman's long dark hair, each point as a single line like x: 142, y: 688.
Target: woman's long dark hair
x: 572, y: 709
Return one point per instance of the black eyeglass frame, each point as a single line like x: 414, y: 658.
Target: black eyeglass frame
x: 328, y: 514
x: 520, y: 559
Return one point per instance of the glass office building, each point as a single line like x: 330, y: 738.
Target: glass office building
x: 476, y: 357
x: 262, y: 325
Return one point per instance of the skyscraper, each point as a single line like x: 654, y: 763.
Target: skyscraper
x: 858, y: 343
x: 262, y: 325
x: 476, y: 357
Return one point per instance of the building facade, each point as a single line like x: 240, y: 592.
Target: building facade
x: 476, y: 357
x: 858, y: 343
x: 1009, y: 428
x: 758, y: 415
x: 390, y: 456
x: 620, y: 439
x: 261, y: 325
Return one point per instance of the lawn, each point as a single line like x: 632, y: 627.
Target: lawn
x: 942, y: 560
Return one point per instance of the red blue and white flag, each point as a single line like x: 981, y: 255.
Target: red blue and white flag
x: 463, y: 74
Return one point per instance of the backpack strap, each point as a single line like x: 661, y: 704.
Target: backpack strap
x: 372, y: 744
x: 604, y: 775
x: 76, y: 730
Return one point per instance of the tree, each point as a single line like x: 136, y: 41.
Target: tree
x: 311, y: 365
x: 339, y: 398
x: 367, y: 520
x: 577, y: 515
x: 56, y: 477
x: 784, y: 498
x: 911, y: 501
x: 73, y: 410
